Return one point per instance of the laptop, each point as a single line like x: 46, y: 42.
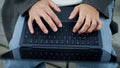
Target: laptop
x: 63, y: 44
x: 22, y: 53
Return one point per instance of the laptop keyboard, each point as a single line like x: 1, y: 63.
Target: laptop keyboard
x: 63, y: 37
x: 63, y: 44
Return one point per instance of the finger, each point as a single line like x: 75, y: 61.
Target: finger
x: 54, y: 6
x: 41, y: 25
x: 85, y: 26
x: 100, y: 23
x: 54, y: 17
x: 30, y: 25
x: 74, y: 12
x: 79, y: 23
x: 93, y: 26
x: 49, y: 21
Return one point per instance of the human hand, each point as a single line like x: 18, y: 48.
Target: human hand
x: 88, y: 20
x: 43, y: 9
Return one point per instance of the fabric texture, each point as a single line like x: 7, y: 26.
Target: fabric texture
x: 66, y: 2
x: 106, y: 39
x: 12, y: 8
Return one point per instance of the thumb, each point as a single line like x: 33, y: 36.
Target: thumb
x: 74, y: 12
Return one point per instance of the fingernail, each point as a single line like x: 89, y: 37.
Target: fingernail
x: 70, y: 17
x: 55, y: 29
x: 32, y: 32
x: 60, y: 25
x: 74, y: 30
x: 79, y: 32
x: 59, y: 10
x: 46, y: 31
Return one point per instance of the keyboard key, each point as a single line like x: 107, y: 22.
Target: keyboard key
x: 64, y: 36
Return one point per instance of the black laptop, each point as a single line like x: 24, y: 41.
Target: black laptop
x: 63, y: 44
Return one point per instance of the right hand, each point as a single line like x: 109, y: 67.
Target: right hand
x: 43, y: 9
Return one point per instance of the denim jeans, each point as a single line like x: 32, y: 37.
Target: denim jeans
x: 107, y: 44
x: 106, y: 39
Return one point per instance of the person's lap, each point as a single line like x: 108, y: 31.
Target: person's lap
x: 107, y: 44
x: 14, y: 43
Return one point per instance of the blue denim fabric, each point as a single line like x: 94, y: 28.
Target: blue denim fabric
x: 107, y: 44
x: 14, y: 43
x: 106, y: 38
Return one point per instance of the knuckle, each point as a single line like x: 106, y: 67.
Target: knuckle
x: 51, y: 14
x: 44, y: 6
x: 94, y: 24
x: 55, y: 18
x: 37, y: 20
x: 75, y: 28
x: 80, y: 21
x: 55, y: 6
x: 82, y: 30
x: 89, y: 31
x: 79, y: 31
x: 31, y: 18
x: 87, y: 25
x: 53, y: 26
x: 43, y: 28
x: 46, y: 17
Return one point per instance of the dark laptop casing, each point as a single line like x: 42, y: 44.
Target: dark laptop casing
x: 63, y: 52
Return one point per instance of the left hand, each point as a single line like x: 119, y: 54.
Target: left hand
x: 88, y: 20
